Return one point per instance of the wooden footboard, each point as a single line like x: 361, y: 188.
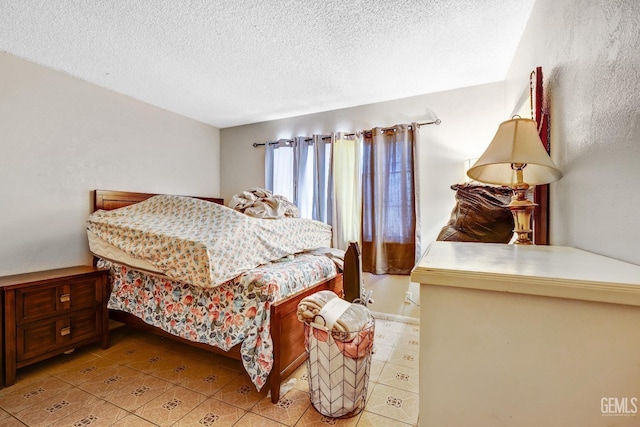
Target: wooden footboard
x: 287, y: 333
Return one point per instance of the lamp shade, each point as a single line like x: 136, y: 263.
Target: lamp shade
x: 516, y: 141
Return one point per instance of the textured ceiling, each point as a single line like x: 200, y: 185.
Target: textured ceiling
x: 233, y: 62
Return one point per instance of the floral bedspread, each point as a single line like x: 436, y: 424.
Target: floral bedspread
x: 203, y: 243
x: 237, y: 311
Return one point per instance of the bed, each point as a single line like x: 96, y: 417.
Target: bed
x: 286, y: 332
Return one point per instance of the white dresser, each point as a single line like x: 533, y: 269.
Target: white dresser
x: 527, y: 336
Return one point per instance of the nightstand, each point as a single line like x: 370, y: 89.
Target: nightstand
x: 49, y: 312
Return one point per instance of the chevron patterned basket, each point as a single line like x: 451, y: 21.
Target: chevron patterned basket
x: 337, y: 370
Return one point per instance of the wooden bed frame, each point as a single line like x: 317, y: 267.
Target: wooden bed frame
x: 287, y: 332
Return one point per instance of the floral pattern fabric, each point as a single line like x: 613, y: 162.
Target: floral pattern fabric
x: 237, y: 311
x: 200, y: 242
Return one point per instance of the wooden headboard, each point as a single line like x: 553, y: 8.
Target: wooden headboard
x: 107, y: 199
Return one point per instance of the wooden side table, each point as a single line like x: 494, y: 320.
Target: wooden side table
x: 49, y: 312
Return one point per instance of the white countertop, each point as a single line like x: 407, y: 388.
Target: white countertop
x: 555, y: 271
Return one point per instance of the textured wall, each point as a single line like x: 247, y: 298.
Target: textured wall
x: 60, y: 138
x: 590, y: 54
x: 469, y: 120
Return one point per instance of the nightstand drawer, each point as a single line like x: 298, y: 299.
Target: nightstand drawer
x: 39, y: 338
x: 46, y: 301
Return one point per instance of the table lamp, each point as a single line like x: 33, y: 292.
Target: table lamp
x: 516, y: 150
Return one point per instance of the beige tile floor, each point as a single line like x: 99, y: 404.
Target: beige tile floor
x: 144, y: 380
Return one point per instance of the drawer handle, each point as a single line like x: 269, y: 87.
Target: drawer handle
x: 65, y: 331
x: 65, y: 298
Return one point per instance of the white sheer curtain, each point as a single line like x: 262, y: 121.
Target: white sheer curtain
x: 280, y: 176
x: 347, y: 188
x: 313, y: 177
x: 304, y: 175
x: 323, y: 179
x: 301, y: 170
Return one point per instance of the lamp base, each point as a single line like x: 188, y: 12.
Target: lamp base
x: 521, y: 209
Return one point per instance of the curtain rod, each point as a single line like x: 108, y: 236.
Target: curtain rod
x: 258, y: 144
x: 433, y: 122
